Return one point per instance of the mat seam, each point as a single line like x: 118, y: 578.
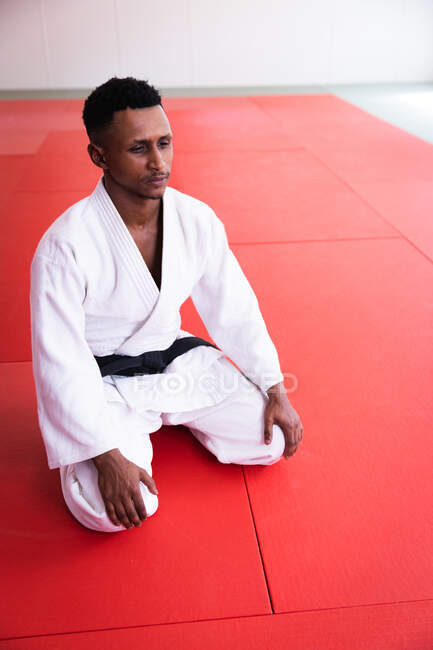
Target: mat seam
x: 258, y: 541
x: 210, y: 620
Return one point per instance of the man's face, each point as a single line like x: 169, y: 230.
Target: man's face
x: 137, y: 151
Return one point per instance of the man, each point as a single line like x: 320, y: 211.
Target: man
x: 111, y: 364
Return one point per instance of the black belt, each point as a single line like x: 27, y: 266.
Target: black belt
x: 148, y: 363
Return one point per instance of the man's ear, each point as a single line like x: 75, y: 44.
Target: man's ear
x: 96, y: 154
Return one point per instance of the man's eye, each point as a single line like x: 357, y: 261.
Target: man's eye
x: 164, y: 143
x: 136, y: 149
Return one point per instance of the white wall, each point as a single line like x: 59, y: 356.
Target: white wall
x: 193, y: 43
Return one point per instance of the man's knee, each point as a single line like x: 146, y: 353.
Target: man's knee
x: 99, y: 520
x: 103, y: 524
x: 276, y: 447
x: 84, y: 500
x: 254, y: 454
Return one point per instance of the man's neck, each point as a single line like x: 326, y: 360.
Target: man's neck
x: 137, y: 212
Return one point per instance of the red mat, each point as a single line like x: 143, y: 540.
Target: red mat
x: 62, y: 164
x: 345, y: 522
x: 399, y: 626
x: 40, y: 114
x: 348, y: 520
x: 390, y: 168
x: 205, y: 103
x: 196, y: 558
x: 352, y: 142
x: 276, y: 195
x: 24, y: 142
x: 12, y: 171
x: 25, y: 216
x: 244, y: 127
x: 408, y: 206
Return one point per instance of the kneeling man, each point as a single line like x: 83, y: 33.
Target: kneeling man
x: 110, y: 360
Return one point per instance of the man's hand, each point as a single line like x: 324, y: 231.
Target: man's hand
x: 279, y: 411
x: 119, y: 484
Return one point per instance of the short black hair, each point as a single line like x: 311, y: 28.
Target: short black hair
x: 116, y: 95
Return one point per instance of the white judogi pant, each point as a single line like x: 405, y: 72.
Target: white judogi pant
x: 232, y: 430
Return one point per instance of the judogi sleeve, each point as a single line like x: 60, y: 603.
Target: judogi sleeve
x: 72, y: 408
x: 229, y: 308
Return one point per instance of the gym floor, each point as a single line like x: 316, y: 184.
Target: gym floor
x: 327, y: 207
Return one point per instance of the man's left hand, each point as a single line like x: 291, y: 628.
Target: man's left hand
x: 279, y: 411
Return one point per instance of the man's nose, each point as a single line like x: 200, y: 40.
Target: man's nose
x: 155, y: 159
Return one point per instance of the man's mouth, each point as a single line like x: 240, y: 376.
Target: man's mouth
x: 157, y: 180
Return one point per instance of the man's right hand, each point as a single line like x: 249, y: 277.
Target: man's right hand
x: 119, y: 484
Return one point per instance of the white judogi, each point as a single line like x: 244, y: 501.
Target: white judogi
x: 93, y: 294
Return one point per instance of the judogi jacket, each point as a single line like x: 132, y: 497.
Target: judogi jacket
x: 92, y: 294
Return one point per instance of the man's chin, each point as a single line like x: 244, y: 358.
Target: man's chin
x: 153, y: 192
